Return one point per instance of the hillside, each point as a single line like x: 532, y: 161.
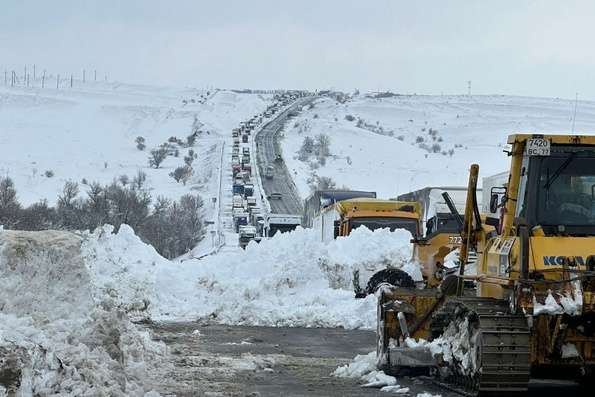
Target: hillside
x: 391, y: 150
x: 89, y: 132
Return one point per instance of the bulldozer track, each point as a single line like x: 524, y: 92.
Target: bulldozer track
x: 503, y: 348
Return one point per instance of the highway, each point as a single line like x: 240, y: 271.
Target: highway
x: 268, y: 149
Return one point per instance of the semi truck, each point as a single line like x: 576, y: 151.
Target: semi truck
x: 280, y: 223
x: 340, y: 218
x: 440, y: 229
x: 321, y: 199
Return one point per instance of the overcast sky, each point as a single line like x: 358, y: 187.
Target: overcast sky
x: 540, y: 47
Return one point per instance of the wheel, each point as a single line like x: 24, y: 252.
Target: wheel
x: 395, y: 277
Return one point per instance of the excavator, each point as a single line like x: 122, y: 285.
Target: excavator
x: 532, y: 313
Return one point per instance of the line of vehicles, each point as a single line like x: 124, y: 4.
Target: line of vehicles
x: 249, y: 220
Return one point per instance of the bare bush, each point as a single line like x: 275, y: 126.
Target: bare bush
x: 307, y: 149
x: 9, y: 205
x: 182, y: 174
x: 49, y: 173
x: 140, y: 143
x: 124, y: 179
x: 157, y: 156
x: 139, y: 180
x: 349, y: 118
x: 190, y: 157
x: 173, y: 228
x: 322, y: 145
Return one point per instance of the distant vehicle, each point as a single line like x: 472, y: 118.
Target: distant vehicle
x: 249, y: 190
x: 238, y: 201
x: 238, y: 188
x: 274, y: 223
x: 269, y: 172
x: 251, y: 201
x: 275, y: 196
x: 247, y: 233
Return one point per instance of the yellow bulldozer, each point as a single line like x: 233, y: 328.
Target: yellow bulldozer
x: 532, y: 313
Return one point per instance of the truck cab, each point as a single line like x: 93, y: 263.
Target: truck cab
x: 377, y: 214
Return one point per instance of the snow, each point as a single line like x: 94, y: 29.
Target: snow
x: 57, y: 336
x: 87, y: 133
x: 569, y: 351
x: 363, y: 367
x: 77, y: 132
x: 292, y: 279
x: 569, y: 302
x: 365, y: 160
x: 360, y: 366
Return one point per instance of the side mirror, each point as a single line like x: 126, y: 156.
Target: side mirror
x: 495, y: 193
x: 493, y: 203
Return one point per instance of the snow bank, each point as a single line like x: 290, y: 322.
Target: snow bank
x: 290, y: 280
x: 55, y: 336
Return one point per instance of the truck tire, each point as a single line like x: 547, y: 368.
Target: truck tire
x: 394, y: 277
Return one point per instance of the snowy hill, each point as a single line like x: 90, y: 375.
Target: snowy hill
x: 88, y: 132
x: 398, y: 144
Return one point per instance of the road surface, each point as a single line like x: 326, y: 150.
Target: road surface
x: 218, y: 360
x: 268, y: 149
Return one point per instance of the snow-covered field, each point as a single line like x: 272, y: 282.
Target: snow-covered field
x: 89, y: 132
x: 382, y: 154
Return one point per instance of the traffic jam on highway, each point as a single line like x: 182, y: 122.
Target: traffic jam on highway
x: 252, y: 218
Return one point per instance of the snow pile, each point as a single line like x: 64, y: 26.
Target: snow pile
x: 570, y: 302
x: 457, y: 346
x: 292, y: 279
x: 569, y: 350
x: 363, y: 367
x: 54, y: 336
x: 360, y: 366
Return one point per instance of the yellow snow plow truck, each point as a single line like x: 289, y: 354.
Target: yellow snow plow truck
x: 533, y: 311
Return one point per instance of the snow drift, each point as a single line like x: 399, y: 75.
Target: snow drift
x: 55, y: 335
x: 292, y: 279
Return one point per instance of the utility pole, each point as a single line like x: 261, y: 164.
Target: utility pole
x: 95, y: 75
x: 27, y: 81
x: 70, y: 80
x: 58, y: 82
x: 43, y: 79
x: 469, y: 87
x: 575, y: 106
x: 84, y: 75
x: 33, y: 72
x: 25, y: 75
x: 13, y: 78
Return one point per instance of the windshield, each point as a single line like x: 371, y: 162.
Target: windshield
x: 566, y: 190
x: 442, y: 223
x: 381, y: 223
